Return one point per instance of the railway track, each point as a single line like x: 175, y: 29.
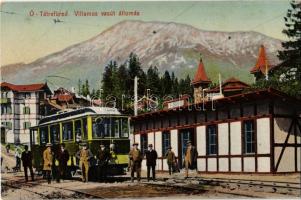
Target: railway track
x: 235, y: 187
x: 28, y: 186
x: 284, y: 188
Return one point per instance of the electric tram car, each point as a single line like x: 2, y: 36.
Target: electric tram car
x: 91, y: 125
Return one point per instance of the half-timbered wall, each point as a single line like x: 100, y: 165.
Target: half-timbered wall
x: 270, y: 134
x: 287, y: 144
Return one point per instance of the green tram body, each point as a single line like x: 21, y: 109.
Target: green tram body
x: 91, y: 125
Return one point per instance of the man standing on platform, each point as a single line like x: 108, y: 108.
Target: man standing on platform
x: 135, y: 157
x: 84, y: 156
x: 27, y: 163
x: 171, y: 160
x: 191, y: 156
x: 151, y: 157
x: 63, y: 157
x: 103, y: 156
x: 48, y: 161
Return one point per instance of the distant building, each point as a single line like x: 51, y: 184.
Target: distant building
x: 22, y: 106
x: 63, y: 99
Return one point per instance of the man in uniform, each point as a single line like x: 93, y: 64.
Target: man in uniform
x: 151, y: 157
x: 135, y: 156
x: 48, y: 161
x: 63, y: 157
x: 171, y: 159
x: 103, y: 156
x: 84, y: 156
x: 26, y: 158
x: 191, y: 155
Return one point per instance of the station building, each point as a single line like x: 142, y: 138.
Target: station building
x: 236, y: 129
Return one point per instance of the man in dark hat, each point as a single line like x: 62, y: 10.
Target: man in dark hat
x: 84, y: 156
x: 103, y: 156
x: 135, y: 157
x: 63, y: 157
x: 190, y: 159
x: 151, y: 157
x: 171, y: 159
x: 27, y: 162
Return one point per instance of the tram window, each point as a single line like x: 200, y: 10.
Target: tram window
x: 85, y: 129
x: 67, y: 131
x: 115, y: 128
x: 44, y: 135
x: 55, y: 133
x: 78, y: 130
x: 124, y: 128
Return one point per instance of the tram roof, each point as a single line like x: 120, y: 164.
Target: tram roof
x: 68, y: 115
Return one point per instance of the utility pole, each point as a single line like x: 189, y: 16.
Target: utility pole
x: 136, y: 96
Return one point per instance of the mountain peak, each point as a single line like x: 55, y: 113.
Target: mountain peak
x: 167, y: 45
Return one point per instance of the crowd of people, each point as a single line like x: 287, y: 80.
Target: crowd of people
x: 55, y: 163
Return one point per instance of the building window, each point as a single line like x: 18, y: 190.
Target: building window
x: 115, y: 128
x: 26, y: 125
x: 26, y: 110
x: 68, y: 131
x: 27, y: 95
x: 85, y: 129
x: 8, y: 125
x: 143, y: 142
x: 165, y: 141
x: 211, y: 140
x: 55, y: 133
x: 249, y: 138
x: 101, y: 127
x: 124, y: 127
x: 44, y: 135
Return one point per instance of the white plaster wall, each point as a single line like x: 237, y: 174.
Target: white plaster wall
x: 10, y: 137
x: 212, y: 164
x: 236, y: 164
x: 263, y: 164
x: 299, y: 159
x: 158, y: 143
x: 281, y: 128
x: 174, y: 141
x: 223, y: 140
x: 165, y: 166
x: 263, y: 136
x: 150, y: 138
x: 201, y: 140
x: 201, y: 164
x: 287, y: 162
x: 235, y: 128
x: 223, y: 165
x: 249, y: 164
x: 143, y: 165
x: 137, y: 139
x: 131, y: 137
x: 159, y: 165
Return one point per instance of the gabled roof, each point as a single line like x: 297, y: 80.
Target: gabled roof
x: 230, y: 84
x: 262, y: 62
x: 26, y: 88
x: 200, y: 76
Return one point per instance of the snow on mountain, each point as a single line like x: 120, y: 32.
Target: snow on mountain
x: 169, y: 46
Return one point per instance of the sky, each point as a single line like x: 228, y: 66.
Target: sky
x: 25, y: 38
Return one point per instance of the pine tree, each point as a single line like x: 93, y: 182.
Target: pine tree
x: 135, y: 69
x: 175, y: 85
x: 289, y: 71
x: 153, y: 80
x: 166, y: 84
x: 79, y: 87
